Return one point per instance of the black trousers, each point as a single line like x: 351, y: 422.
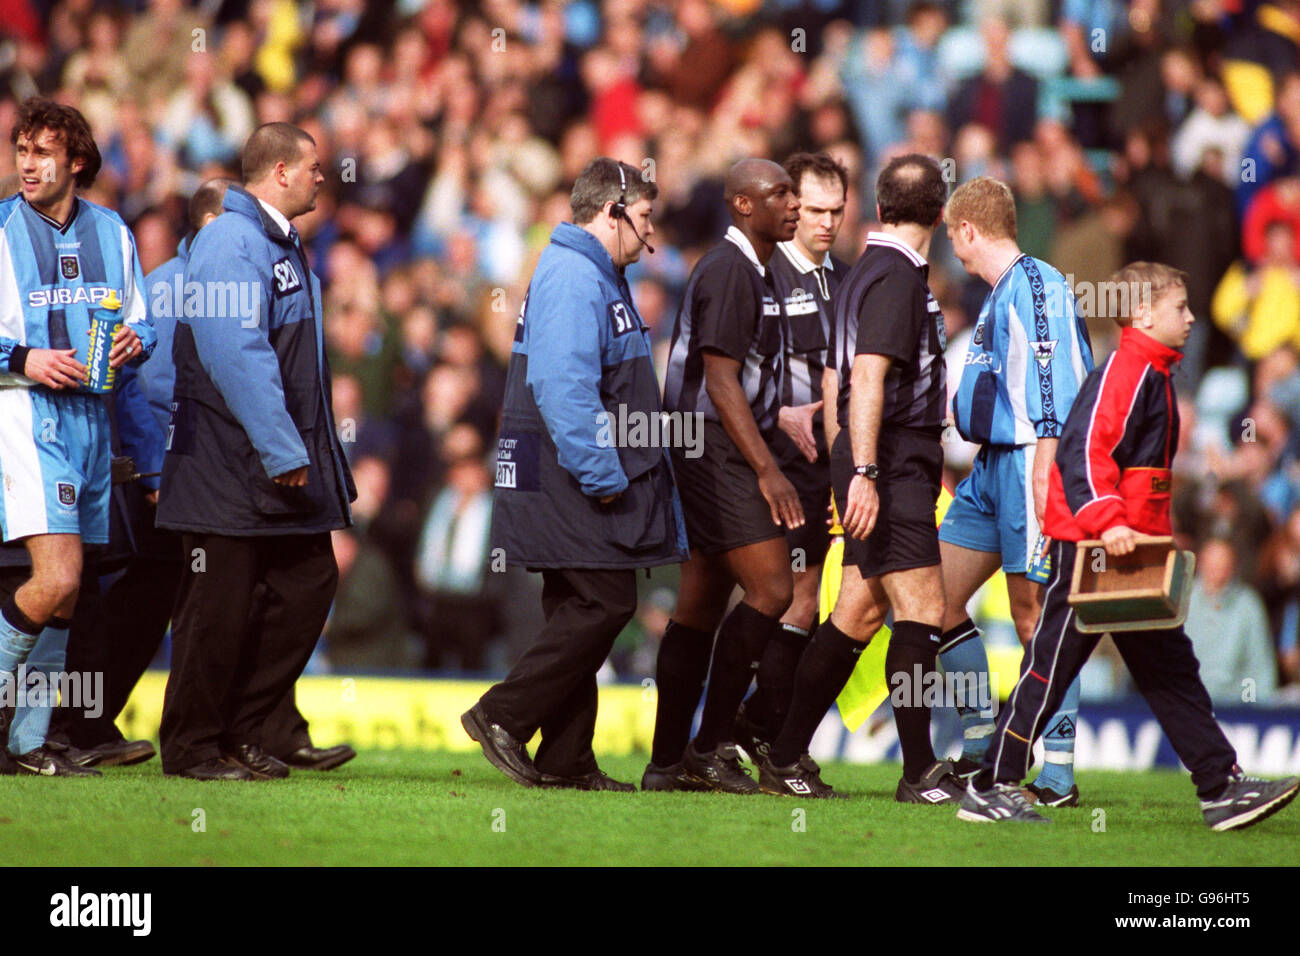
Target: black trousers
x: 234, y: 658
x: 117, y: 632
x: 1163, y: 666
x: 552, y: 687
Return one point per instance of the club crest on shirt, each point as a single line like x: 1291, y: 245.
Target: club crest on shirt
x: 69, y: 267
x: 1043, y: 351
x: 67, y: 494
x: 978, y: 337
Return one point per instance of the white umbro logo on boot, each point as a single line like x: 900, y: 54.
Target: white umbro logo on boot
x: 795, y: 785
x: 935, y: 795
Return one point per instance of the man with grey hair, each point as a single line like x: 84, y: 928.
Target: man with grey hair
x: 584, y: 502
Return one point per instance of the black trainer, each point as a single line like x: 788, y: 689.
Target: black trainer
x: 1247, y: 800
x: 719, y: 770
x: 937, y: 785
x: 749, y: 737
x: 794, y: 780
x: 115, y: 753
x: 667, y: 779
x: 596, y: 780
x: 1051, y: 798
x: 813, y: 773
x: 46, y: 761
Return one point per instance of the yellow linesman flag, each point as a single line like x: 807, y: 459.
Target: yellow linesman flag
x: 867, y: 687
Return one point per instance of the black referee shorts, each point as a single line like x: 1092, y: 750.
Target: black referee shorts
x: 723, y: 507
x: 812, y: 480
x: 911, y: 474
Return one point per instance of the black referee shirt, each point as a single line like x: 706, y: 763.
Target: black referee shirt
x: 729, y: 306
x: 884, y: 307
x: 805, y: 289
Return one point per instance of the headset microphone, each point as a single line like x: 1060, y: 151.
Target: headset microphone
x: 619, y: 209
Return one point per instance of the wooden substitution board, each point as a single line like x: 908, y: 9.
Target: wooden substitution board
x: 1147, y: 590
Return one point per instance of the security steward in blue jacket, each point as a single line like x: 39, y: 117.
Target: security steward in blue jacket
x: 582, y: 494
x: 254, y: 477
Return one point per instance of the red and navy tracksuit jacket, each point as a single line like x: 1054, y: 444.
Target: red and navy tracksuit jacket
x: 1112, y: 468
x: 1112, y: 463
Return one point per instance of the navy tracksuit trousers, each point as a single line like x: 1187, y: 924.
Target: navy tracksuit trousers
x: 1163, y: 667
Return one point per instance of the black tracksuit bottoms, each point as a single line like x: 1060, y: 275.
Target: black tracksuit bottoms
x: 1163, y: 667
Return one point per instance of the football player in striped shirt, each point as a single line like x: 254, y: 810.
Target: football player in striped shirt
x: 1029, y: 354
x: 61, y: 257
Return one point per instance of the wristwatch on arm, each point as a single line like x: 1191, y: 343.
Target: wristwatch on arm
x: 867, y: 471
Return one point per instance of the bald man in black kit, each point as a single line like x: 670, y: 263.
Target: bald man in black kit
x: 724, y: 366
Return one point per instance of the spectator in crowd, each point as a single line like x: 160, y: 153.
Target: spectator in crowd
x: 1211, y: 125
x: 1228, y: 628
x: 1259, y: 306
x: 458, y: 617
x: 1001, y: 97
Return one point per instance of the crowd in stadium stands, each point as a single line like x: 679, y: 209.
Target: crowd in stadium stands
x: 1150, y: 129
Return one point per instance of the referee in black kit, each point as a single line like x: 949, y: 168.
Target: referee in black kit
x: 886, y: 469
x: 724, y: 366
x: 806, y: 276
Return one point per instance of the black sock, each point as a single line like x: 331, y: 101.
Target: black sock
x: 770, y: 702
x: 15, y: 616
x: 956, y: 636
x: 913, y: 650
x: 824, y: 669
x: 742, y: 638
x: 679, y: 675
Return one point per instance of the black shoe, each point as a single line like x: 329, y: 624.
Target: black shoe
x: 813, y: 773
x: 719, y: 770
x: 793, y: 781
x: 1050, y: 798
x: 750, y: 738
x: 216, y: 769
x: 1247, y: 800
x: 502, y: 750
x: 937, y: 785
x: 116, y: 753
x: 46, y: 761
x: 318, y: 758
x: 258, y: 762
x: 596, y: 780
x: 665, y: 779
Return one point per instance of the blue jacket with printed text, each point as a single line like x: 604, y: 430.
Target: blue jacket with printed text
x: 251, y: 398
x: 581, y: 421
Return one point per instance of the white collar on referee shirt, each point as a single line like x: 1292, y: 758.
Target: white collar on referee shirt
x: 276, y: 215
x: 803, y: 265
x: 742, y: 240
x: 885, y: 239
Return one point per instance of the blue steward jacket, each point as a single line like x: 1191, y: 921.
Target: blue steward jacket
x: 252, y: 392
x: 580, y: 371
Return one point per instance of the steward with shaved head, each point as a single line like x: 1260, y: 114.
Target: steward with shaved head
x: 255, y: 478
x: 724, y: 368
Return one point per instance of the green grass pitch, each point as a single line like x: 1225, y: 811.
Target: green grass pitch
x: 393, y: 808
